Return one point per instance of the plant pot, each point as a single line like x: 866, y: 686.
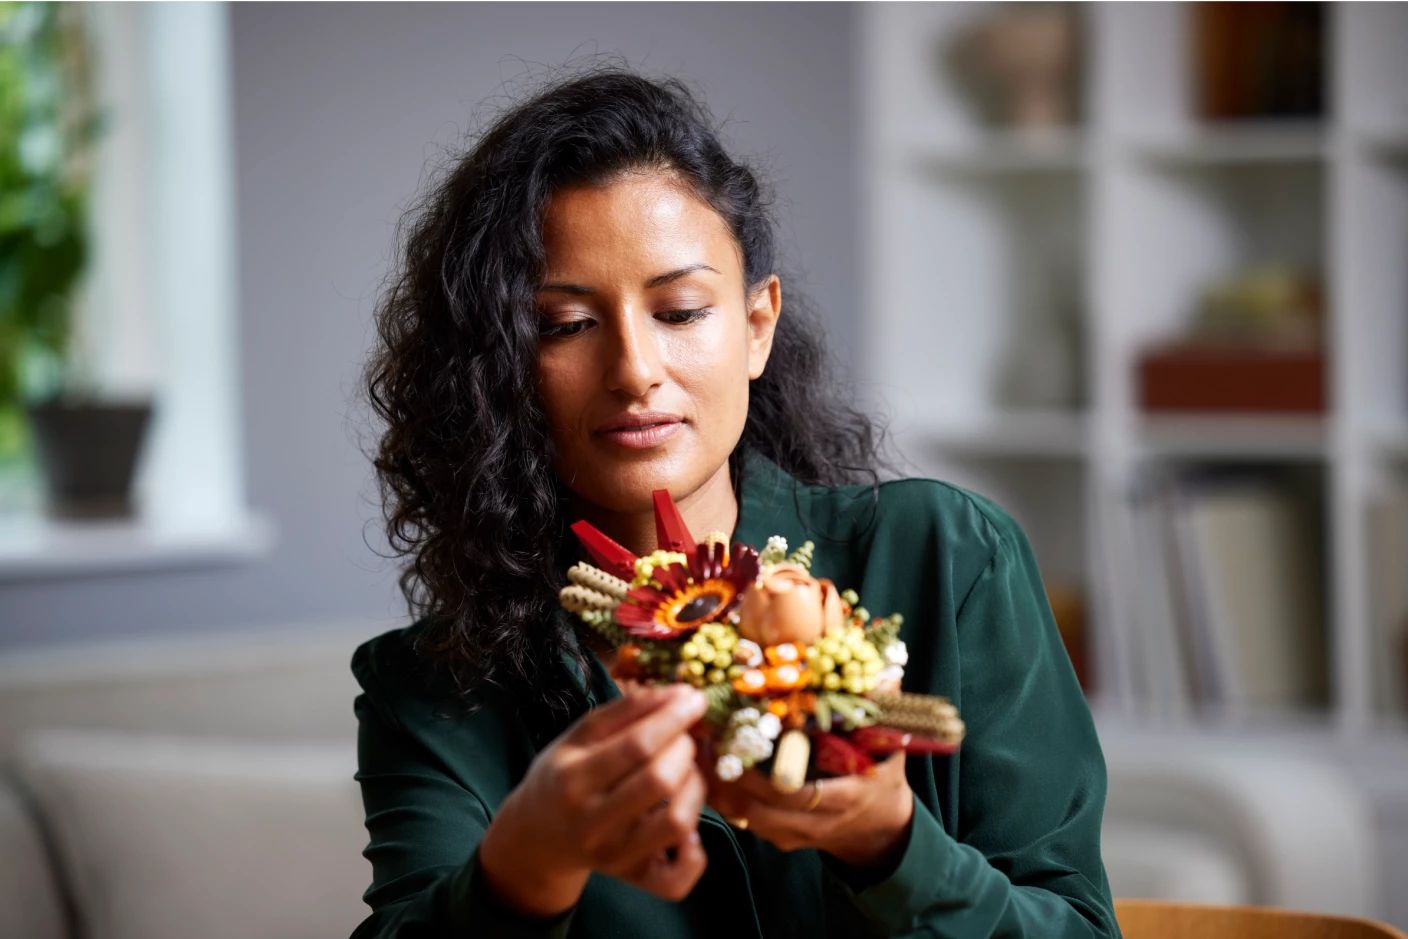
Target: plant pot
x: 88, y: 454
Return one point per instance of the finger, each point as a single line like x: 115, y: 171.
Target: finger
x: 667, y: 826
x: 672, y: 879
x: 723, y: 795
x: 601, y: 722
x: 757, y: 786
x: 649, y: 785
x: 841, y: 792
x: 788, y: 829
x: 610, y: 760
x: 760, y: 788
x: 663, y: 826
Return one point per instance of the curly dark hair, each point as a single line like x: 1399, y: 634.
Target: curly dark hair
x: 465, y: 463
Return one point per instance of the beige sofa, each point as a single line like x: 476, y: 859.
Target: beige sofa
x: 182, y: 788
x: 203, y: 787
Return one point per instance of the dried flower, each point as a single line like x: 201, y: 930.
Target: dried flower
x: 789, y: 605
x: 769, y: 726
x: 728, y: 768
x: 748, y: 653
x: 747, y: 715
x: 888, y: 681
x: 682, y: 597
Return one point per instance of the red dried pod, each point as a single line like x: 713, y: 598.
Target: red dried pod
x: 836, y: 756
x: 607, y: 554
x: 880, y: 740
x: 885, y: 740
x: 929, y: 746
x: 671, y: 533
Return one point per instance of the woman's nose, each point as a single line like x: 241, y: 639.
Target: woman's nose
x: 636, y: 366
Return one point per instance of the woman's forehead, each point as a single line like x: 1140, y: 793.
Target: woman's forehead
x: 639, y: 224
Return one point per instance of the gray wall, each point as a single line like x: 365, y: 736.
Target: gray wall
x: 338, y: 109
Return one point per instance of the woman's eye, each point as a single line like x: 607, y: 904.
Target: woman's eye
x: 680, y: 317
x: 562, y: 330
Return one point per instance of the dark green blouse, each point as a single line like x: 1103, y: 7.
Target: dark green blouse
x: 1006, y: 834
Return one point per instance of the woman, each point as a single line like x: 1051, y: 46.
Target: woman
x: 588, y: 311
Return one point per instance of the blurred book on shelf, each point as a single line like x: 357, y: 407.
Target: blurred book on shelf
x: 1228, y: 608
x: 1202, y: 377
x: 1068, y: 609
x: 1388, y: 571
x: 1254, y: 345
x: 1259, y: 60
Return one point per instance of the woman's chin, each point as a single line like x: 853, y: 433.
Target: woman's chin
x: 627, y: 483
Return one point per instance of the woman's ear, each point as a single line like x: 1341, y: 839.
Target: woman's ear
x: 764, y: 307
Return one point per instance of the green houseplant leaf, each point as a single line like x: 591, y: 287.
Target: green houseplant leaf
x: 47, y: 127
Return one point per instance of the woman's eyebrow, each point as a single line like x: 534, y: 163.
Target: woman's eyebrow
x: 662, y: 279
x: 574, y: 289
x: 659, y: 280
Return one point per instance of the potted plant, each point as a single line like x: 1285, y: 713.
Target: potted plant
x: 86, y: 448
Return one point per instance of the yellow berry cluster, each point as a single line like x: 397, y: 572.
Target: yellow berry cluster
x: 845, y: 661
x: 707, y: 657
x: 645, y: 566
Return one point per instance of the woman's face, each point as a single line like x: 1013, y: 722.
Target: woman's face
x: 649, y: 338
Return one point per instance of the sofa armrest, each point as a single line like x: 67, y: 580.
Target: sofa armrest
x: 30, y: 903
x: 1300, y: 830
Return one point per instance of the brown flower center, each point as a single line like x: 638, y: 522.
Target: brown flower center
x: 698, y: 608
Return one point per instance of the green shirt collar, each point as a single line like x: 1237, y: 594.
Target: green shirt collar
x: 772, y: 503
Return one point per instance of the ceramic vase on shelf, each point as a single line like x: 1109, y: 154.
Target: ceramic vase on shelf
x: 1022, y: 63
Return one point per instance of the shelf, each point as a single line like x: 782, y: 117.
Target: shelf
x: 1031, y: 435
x: 1128, y: 220
x: 1233, y: 437
x: 1390, y: 145
x: 1008, y: 154
x: 1390, y: 441
x: 40, y: 549
x: 1304, y: 731
x: 1251, y: 144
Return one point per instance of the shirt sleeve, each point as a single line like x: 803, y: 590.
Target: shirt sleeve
x: 1026, y: 858
x: 424, y: 829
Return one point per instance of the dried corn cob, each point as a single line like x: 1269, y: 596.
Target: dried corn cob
x: 596, y: 579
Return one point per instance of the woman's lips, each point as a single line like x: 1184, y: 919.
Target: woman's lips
x: 643, y: 436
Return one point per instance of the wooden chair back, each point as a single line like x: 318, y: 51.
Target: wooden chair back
x: 1156, y: 919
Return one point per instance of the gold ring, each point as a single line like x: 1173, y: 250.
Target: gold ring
x: 815, y: 800
x: 740, y: 823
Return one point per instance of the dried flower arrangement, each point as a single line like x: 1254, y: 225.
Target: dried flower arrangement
x: 802, y: 682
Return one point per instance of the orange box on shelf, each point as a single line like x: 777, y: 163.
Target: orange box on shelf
x: 1227, y: 378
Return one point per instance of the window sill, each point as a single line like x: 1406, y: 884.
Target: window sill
x: 43, y: 549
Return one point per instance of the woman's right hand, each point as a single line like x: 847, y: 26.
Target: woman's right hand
x: 613, y: 794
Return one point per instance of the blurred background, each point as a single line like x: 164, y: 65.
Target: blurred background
x: 1139, y: 272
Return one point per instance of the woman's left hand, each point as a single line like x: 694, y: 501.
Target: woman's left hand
x: 862, y: 820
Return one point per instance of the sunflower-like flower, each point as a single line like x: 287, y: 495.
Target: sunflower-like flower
x: 682, y: 597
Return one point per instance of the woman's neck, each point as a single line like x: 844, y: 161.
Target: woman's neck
x: 711, y: 507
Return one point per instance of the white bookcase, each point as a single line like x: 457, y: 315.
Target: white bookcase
x: 978, y: 237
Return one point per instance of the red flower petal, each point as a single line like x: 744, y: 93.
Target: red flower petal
x: 647, y: 596
x: 743, y: 567
x: 641, y: 622
x: 629, y: 614
x: 672, y: 577
x: 699, y: 567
